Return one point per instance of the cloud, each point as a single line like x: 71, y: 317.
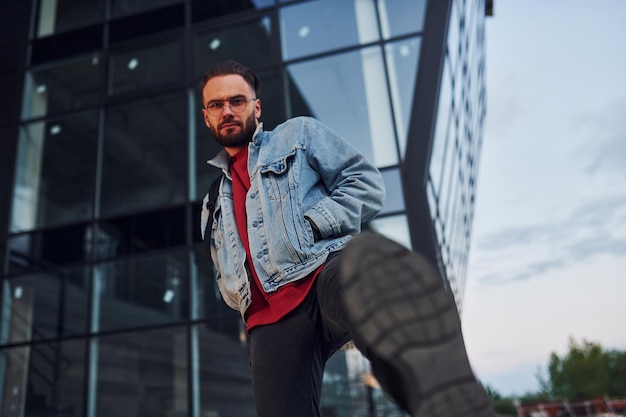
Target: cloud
x: 528, y: 271
x: 604, y: 138
x: 521, y: 252
x: 586, y: 186
x: 513, y: 236
x: 611, y: 155
x: 598, y: 245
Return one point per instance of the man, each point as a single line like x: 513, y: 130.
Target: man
x: 282, y: 238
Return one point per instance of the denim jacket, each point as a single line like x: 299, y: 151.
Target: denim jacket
x: 302, y: 172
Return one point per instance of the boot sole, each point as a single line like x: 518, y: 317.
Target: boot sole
x: 406, y: 322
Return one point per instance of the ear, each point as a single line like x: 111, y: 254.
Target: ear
x: 205, y: 115
x: 257, y: 109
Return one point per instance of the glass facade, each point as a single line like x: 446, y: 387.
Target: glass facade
x: 451, y: 186
x: 108, y: 308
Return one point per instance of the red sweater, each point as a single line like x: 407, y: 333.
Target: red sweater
x: 265, y: 308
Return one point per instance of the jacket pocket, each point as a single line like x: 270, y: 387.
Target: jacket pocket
x: 287, y: 231
x: 279, y: 175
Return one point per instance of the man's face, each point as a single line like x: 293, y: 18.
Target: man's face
x: 232, y: 130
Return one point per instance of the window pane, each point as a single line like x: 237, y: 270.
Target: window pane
x: 223, y: 374
x: 449, y: 200
x: 45, y: 379
x: 348, y: 92
x: 402, y: 62
x: 449, y: 177
x: 272, y: 94
x: 249, y: 43
x: 394, y: 199
x: 147, y: 24
x: 318, y: 26
x: 454, y: 45
x: 54, y: 182
x: 45, y: 306
x: 433, y: 204
x: 399, y: 17
x: 205, y: 149
x: 62, y: 15
x: 205, y: 10
x: 394, y: 227
x: 121, y: 8
x: 62, y: 87
x: 141, y: 292
x: 208, y: 300
x: 136, y: 70
x: 49, y: 249
x: 137, y: 233
x: 145, y: 155
x: 67, y: 45
x: 262, y: 3
x: 442, y: 128
x: 142, y: 374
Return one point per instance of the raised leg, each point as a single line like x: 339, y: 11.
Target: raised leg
x: 403, y: 318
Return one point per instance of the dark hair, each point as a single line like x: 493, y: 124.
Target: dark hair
x: 227, y: 68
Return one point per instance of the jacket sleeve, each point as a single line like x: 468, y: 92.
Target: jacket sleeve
x: 355, y: 188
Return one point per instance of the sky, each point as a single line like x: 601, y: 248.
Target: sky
x: 548, y: 248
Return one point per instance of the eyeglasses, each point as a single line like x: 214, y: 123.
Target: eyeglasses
x: 237, y: 105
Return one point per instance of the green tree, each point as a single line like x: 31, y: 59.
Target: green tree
x: 492, y: 393
x: 503, y: 407
x: 534, y: 398
x: 587, y: 371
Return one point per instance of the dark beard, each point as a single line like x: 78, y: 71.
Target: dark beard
x: 237, y: 140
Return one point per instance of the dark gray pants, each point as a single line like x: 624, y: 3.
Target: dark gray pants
x: 288, y: 357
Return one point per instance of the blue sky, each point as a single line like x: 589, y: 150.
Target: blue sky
x: 548, y: 251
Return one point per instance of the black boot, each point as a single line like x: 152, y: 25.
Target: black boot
x: 405, y: 321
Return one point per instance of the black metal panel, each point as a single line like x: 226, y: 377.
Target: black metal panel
x: 67, y: 44
x: 141, y: 233
x: 14, y: 23
x: 423, y: 115
x: 147, y: 23
x: 205, y: 10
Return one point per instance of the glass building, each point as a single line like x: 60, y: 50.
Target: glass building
x: 107, y: 308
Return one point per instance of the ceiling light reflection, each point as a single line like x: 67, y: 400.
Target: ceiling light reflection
x: 304, y: 31
x: 132, y: 64
x: 168, y: 296
x: 215, y: 43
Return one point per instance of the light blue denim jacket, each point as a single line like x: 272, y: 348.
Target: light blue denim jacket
x: 300, y: 172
